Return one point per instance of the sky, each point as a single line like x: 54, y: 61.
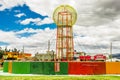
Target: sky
x: 29, y: 23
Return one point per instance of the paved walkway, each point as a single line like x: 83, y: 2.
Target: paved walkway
x: 11, y: 74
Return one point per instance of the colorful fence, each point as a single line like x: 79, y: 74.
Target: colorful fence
x: 99, y: 67
x: 21, y: 67
x: 10, y: 66
x: 5, y: 66
x: 112, y: 67
x: 86, y: 68
x: 36, y: 67
x: 48, y: 68
x: 63, y: 68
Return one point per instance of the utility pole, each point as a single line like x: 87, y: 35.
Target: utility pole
x: 23, y: 49
x: 111, y: 51
x: 48, y: 45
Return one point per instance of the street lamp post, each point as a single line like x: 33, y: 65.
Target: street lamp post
x: 111, y: 51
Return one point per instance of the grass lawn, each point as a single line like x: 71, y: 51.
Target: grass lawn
x: 60, y: 77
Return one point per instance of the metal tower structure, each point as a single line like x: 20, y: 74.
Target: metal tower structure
x: 64, y: 16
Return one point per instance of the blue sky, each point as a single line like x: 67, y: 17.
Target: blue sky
x: 10, y: 22
x: 29, y: 23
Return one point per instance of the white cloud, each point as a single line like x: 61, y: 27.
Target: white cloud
x: 90, y: 12
x: 27, y: 21
x: 36, y: 21
x: 32, y: 44
x: 8, y: 37
x: 45, y: 7
x: 20, y: 15
x: 85, y: 36
x: 28, y: 30
x: 94, y: 34
x: 10, y: 4
x: 47, y: 21
x: 84, y: 8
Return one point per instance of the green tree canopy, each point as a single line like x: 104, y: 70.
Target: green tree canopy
x: 1, y: 54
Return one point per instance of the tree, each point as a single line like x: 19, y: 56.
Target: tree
x: 1, y: 54
x: 15, y: 50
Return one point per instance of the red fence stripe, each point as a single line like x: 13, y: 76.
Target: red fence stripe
x: 86, y: 68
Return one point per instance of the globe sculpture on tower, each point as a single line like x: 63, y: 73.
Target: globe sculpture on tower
x: 64, y: 16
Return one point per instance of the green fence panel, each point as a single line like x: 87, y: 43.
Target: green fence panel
x: 21, y: 67
x: 48, y: 68
x: 15, y: 68
x: 63, y: 68
x: 36, y: 67
x: 5, y: 67
x: 25, y: 68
